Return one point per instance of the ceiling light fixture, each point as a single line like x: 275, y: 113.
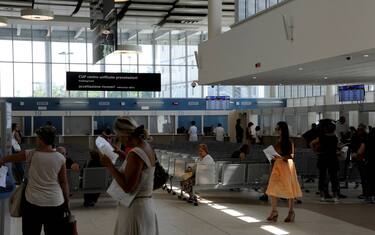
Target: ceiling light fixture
x: 3, y: 21
x: 325, y: 78
x: 36, y: 14
x: 300, y: 69
x: 128, y: 49
x: 254, y: 78
x: 366, y: 56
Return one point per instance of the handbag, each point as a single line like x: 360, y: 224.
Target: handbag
x: 15, y: 200
x: 69, y: 224
x: 160, y: 176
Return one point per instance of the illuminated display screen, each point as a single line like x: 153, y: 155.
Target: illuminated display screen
x: 217, y: 102
x: 351, y: 93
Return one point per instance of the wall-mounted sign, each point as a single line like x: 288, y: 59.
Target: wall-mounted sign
x: 88, y: 81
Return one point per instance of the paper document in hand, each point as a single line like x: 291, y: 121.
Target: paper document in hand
x: 3, y: 176
x: 270, y: 153
x: 118, y: 194
x: 106, y: 148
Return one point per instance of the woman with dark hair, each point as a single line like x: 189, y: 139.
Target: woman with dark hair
x: 283, y: 182
x: 136, y: 209
x: 47, y: 193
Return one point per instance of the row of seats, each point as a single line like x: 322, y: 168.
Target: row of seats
x: 227, y: 174
x: 93, y: 180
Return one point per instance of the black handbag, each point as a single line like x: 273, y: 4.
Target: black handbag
x: 69, y: 224
x: 160, y: 176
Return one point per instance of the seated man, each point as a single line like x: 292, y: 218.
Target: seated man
x: 241, y: 153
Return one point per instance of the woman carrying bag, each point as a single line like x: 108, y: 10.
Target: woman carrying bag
x: 46, y: 195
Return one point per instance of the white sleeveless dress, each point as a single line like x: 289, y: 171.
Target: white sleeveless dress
x: 140, y: 217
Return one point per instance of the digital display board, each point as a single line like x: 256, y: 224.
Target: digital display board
x: 90, y: 81
x: 351, y: 93
x: 217, y: 102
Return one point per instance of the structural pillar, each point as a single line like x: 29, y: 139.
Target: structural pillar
x: 214, y: 18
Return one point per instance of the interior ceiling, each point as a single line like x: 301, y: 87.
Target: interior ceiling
x: 133, y: 14
x: 360, y: 68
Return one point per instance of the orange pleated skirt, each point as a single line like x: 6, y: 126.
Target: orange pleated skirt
x: 283, y: 182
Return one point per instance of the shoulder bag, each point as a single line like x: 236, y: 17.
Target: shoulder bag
x: 15, y: 200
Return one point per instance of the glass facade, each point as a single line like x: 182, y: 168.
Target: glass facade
x: 35, y: 59
x: 248, y: 8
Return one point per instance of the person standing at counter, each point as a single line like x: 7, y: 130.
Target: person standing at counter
x: 219, y: 133
x: 193, y: 132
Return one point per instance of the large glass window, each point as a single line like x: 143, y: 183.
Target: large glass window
x: 22, y: 43
x: 35, y: 59
x: 6, y: 50
x: 6, y: 79
x: 162, y: 47
x: 23, y: 79
x: 40, y: 83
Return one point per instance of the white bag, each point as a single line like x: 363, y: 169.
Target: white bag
x: 15, y: 145
x: 15, y: 201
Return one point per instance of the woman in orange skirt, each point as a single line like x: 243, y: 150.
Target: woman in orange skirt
x: 283, y: 182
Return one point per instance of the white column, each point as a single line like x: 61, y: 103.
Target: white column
x: 214, y: 18
x: 330, y: 95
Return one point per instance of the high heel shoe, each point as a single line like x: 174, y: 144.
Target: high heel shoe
x: 273, y: 216
x: 291, y: 217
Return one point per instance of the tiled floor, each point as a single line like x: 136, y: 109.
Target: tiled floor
x: 223, y: 216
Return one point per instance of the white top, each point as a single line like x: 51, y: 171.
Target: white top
x: 193, y: 134
x: 43, y: 188
x: 219, y: 131
x: 258, y: 136
x: 206, y: 160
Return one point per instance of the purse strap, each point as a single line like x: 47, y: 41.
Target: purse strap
x: 29, y: 160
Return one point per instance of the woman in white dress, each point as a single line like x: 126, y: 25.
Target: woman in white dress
x: 136, y: 178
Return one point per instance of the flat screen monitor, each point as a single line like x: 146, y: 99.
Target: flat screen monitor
x: 217, y: 102
x: 351, y: 93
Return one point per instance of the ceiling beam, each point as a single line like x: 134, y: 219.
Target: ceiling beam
x: 164, y: 20
x: 123, y: 10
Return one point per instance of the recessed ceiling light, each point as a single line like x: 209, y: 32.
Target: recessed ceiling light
x: 300, y: 69
x: 36, y: 14
x: 325, y: 78
x: 3, y: 21
x: 366, y: 56
x: 128, y: 49
x: 254, y: 78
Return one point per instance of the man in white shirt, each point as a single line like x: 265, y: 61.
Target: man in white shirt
x: 219, y: 132
x: 193, y: 132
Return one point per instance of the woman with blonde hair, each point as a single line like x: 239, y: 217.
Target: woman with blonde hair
x: 283, y: 182
x: 137, y: 214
